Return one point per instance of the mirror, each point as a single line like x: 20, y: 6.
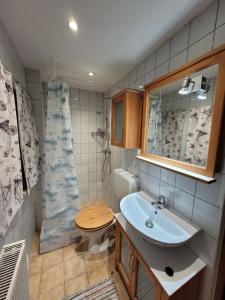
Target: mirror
x: 182, y: 116
x: 119, y: 121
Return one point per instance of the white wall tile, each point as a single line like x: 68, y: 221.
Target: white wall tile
x: 143, y: 181
x: 207, y: 217
x: 154, y: 170
x: 163, y: 53
x: 141, y: 69
x: 126, y: 81
x: 150, y: 63
x: 168, y: 192
x: 133, y: 75
x: 83, y: 94
x: 168, y: 176
x: 162, y: 70
x: 221, y: 13
x: 201, y: 47
x: 92, y: 95
x: 219, y: 38
x: 203, y: 24
x: 179, y: 41
x: 178, y: 60
x: 74, y: 93
x: 213, y: 193
x: 153, y: 186
x: 185, y: 183
x: 183, y: 203
x: 149, y: 77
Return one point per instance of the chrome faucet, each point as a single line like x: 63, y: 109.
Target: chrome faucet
x: 160, y: 202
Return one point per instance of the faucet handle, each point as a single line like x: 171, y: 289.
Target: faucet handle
x: 162, y: 199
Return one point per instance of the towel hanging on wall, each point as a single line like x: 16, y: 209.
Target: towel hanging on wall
x: 11, y: 187
x: 28, y: 138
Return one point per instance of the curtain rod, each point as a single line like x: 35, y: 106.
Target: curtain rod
x: 81, y: 81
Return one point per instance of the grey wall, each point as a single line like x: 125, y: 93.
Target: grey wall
x: 23, y: 225
x: 198, y: 202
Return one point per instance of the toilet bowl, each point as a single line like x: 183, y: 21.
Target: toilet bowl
x: 96, y: 220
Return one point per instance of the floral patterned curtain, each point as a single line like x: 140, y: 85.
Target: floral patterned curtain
x: 172, y: 132
x: 28, y: 138
x: 61, y: 201
x: 11, y: 187
x: 198, y: 134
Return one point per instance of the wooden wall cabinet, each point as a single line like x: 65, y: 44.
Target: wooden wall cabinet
x: 126, y: 119
x: 139, y: 280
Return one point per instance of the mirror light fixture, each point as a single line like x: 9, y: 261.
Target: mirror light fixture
x: 201, y: 95
x: 184, y: 90
x: 91, y: 74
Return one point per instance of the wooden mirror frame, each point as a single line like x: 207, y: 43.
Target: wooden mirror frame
x: 216, y: 56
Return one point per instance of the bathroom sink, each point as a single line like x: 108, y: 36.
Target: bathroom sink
x: 158, y: 226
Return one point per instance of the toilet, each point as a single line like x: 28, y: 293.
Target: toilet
x: 96, y: 219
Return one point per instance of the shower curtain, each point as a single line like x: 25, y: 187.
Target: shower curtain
x: 154, y: 145
x: 61, y: 201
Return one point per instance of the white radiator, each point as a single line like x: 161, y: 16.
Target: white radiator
x: 13, y: 272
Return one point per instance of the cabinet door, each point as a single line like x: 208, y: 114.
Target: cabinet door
x: 124, y: 258
x: 146, y: 287
x: 118, y: 108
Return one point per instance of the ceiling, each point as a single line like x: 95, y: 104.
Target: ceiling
x: 113, y: 35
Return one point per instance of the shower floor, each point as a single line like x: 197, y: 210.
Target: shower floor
x: 60, y: 273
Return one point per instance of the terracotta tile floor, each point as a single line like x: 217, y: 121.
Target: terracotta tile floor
x: 60, y: 273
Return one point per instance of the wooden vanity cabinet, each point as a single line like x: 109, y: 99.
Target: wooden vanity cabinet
x: 139, y: 280
x: 126, y: 119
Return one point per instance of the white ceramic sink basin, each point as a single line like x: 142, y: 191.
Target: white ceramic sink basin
x: 158, y: 226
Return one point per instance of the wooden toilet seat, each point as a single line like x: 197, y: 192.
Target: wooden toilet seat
x: 94, y: 217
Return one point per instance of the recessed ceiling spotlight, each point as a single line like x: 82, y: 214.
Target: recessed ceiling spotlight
x: 91, y: 74
x: 140, y: 86
x: 73, y: 25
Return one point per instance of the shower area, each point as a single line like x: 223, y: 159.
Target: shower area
x: 90, y: 149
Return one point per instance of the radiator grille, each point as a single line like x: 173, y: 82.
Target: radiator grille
x: 13, y: 272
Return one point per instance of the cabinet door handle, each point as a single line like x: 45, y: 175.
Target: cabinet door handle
x: 132, y: 263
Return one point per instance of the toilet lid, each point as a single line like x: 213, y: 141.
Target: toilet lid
x: 94, y: 216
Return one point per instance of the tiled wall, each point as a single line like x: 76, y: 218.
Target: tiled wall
x: 23, y: 225
x: 197, y: 201
x: 87, y: 113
